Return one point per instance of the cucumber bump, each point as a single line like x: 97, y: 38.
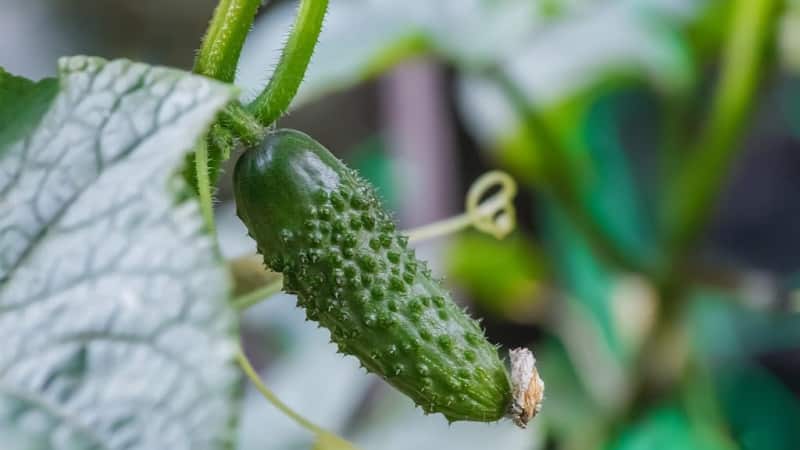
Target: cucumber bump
x: 323, y: 227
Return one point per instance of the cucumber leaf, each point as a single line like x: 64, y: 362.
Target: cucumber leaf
x: 114, y: 325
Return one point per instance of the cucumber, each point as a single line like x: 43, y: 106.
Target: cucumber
x: 323, y: 227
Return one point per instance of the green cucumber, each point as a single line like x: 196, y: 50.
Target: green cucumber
x: 323, y: 227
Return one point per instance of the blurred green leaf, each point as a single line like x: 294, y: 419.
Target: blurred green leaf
x: 726, y: 330
x: 569, y: 411
x: 668, y: 428
x: 503, y: 276
x: 610, y: 197
x: 788, y: 97
x: 24, y: 102
x: 639, y: 42
x: 762, y: 413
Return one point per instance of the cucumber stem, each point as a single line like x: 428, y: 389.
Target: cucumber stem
x: 256, y: 296
x: 222, y: 44
x: 204, y: 185
x: 236, y: 118
x: 275, y: 99
x: 251, y: 374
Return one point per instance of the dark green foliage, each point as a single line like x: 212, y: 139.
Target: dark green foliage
x: 321, y: 225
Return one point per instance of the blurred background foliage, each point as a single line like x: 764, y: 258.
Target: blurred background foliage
x: 624, y: 87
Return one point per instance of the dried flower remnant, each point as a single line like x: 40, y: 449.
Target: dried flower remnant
x: 527, y: 388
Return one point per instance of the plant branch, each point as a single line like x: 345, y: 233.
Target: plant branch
x: 256, y: 296
x: 246, y: 127
x: 282, y: 87
x: 219, y: 53
x: 251, y: 374
x: 690, y: 203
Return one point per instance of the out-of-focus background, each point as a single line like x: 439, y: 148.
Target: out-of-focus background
x: 398, y: 89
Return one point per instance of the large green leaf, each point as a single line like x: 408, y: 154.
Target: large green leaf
x: 114, y: 327
x: 23, y: 104
x: 571, y: 415
x: 762, y: 413
x: 670, y: 428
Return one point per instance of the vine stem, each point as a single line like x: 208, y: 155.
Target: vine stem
x: 236, y: 118
x: 204, y: 185
x: 275, y: 99
x: 254, y: 297
x: 251, y: 374
x: 217, y: 58
x: 689, y: 203
x: 224, y: 39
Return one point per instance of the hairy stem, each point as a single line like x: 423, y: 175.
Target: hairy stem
x: 282, y: 87
x: 246, y: 127
x: 204, y: 185
x: 690, y: 202
x: 224, y: 39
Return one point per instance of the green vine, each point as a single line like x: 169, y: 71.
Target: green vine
x: 237, y: 119
x: 690, y: 203
x: 204, y: 185
x: 223, y: 42
x: 217, y: 58
x: 282, y: 87
x: 258, y: 295
x: 322, y: 434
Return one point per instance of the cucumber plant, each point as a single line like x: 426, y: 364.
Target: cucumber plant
x: 136, y: 294
x: 323, y: 228
x: 314, y: 220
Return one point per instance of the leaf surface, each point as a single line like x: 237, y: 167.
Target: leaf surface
x: 114, y: 326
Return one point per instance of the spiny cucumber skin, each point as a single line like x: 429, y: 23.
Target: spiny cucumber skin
x: 321, y: 225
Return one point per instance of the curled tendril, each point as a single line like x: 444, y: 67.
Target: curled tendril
x: 494, y: 215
